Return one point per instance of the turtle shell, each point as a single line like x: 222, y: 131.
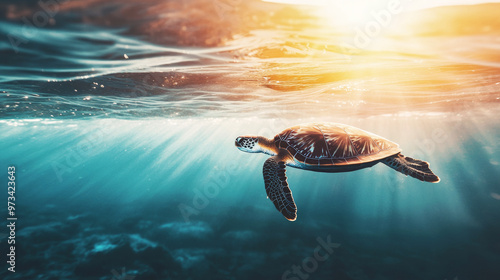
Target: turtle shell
x: 334, y: 144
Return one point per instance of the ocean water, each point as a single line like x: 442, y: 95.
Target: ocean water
x: 120, y: 118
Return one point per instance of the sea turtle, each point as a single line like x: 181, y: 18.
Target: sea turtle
x: 325, y: 147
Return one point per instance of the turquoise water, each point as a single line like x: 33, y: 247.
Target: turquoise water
x: 120, y: 119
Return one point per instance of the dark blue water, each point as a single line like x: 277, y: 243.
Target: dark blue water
x: 120, y: 119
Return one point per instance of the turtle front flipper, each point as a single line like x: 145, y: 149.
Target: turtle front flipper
x: 418, y: 169
x: 277, y: 187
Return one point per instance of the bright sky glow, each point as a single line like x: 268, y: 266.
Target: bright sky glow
x: 356, y: 12
x: 411, y: 3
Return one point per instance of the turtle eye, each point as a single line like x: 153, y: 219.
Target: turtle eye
x: 239, y: 141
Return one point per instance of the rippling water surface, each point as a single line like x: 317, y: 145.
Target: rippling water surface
x: 120, y: 118
x: 218, y: 59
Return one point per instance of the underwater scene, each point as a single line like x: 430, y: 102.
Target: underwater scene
x: 137, y: 139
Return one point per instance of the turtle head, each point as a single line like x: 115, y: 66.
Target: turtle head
x: 249, y: 144
x: 256, y: 144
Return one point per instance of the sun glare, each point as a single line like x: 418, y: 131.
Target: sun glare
x: 350, y: 13
x: 354, y: 13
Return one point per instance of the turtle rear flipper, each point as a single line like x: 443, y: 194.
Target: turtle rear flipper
x: 409, y: 166
x: 277, y: 187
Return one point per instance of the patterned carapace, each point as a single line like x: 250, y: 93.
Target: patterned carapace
x: 334, y: 144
